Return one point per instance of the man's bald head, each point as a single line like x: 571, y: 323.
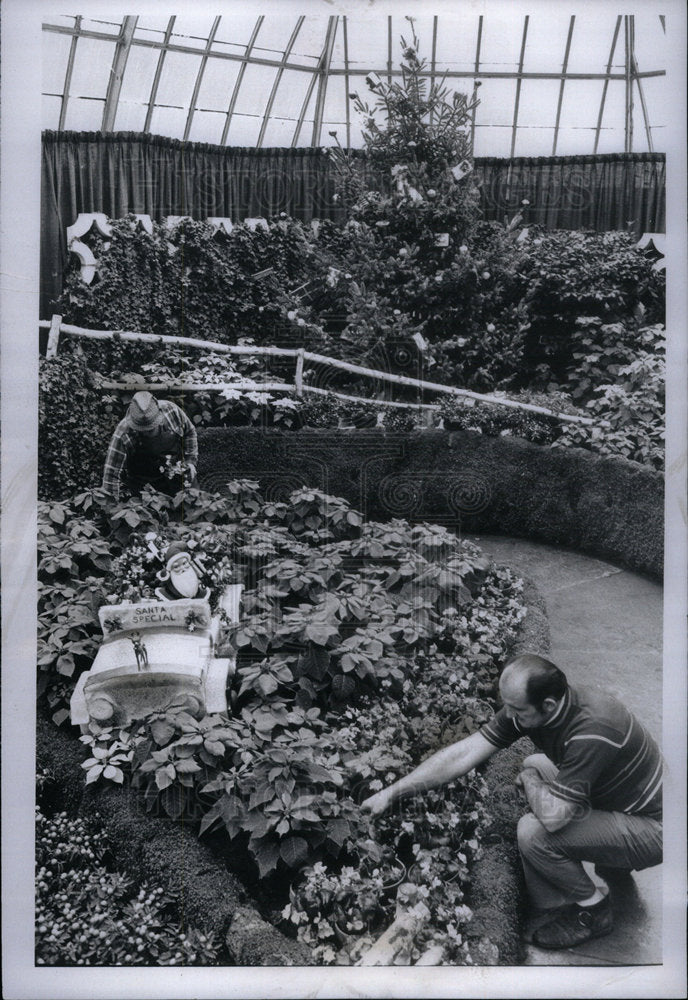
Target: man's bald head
x: 531, y: 687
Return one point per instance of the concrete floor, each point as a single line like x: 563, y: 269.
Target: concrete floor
x: 606, y: 631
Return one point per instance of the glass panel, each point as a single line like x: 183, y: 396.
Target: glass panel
x: 546, y: 42
x: 280, y: 132
x: 236, y: 30
x: 158, y: 37
x: 177, y: 79
x: 255, y: 90
x: 191, y: 31
x: 152, y: 23
x: 612, y: 134
x: 50, y: 111
x: 243, y: 131
x: 538, y: 103
x: 368, y: 43
x: 581, y: 104
x: 55, y: 51
x: 501, y: 40
x: 654, y: 91
x: 591, y: 43
x: 650, y: 41
x: 206, y: 126
x: 168, y: 121
x: 496, y: 102
x: 218, y: 84
x: 291, y: 93
x: 534, y: 140
x: 311, y: 40
x: 92, y: 67
x: 275, y: 34
x: 492, y: 141
x: 130, y: 116
x: 139, y: 74
x: 457, y: 40
x: 305, y: 136
x: 577, y: 141
x: 110, y: 27
x: 84, y: 115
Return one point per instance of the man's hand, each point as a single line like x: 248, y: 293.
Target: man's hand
x: 525, y: 773
x: 378, y: 803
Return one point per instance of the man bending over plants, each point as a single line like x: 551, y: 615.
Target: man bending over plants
x: 595, y: 793
x: 154, y: 443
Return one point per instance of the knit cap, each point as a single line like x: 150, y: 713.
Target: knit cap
x: 175, y: 549
x: 143, y: 413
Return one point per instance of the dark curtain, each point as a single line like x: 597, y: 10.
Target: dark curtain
x: 127, y: 172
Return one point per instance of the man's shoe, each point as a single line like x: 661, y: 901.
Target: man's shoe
x: 575, y: 924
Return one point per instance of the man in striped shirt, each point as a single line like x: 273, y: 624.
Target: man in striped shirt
x: 151, y: 435
x: 594, y: 793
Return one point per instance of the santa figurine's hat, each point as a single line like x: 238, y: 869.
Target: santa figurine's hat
x: 174, y: 550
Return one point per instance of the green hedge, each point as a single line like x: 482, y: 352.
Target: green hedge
x: 608, y: 507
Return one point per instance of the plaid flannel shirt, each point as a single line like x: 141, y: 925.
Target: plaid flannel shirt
x: 124, y: 441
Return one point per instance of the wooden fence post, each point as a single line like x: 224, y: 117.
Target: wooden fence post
x: 53, y: 337
x: 298, y: 377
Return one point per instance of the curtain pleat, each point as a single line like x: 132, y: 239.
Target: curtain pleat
x: 124, y: 172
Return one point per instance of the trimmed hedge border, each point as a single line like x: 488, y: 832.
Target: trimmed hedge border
x: 609, y: 507
x: 212, y: 899
x: 497, y: 886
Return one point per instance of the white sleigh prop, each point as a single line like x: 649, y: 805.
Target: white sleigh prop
x: 153, y: 655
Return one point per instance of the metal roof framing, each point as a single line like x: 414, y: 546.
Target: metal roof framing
x: 199, y: 76
x: 560, y: 101
x: 345, y: 39
x: 323, y: 73
x: 68, y: 73
x: 320, y: 72
x: 519, y: 79
x: 278, y: 78
x: 239, y: 79
x: 605, y: 87
x: 629, y: 28
x: 119, y: 64
x: 476, y: 84
x: 158, y: 74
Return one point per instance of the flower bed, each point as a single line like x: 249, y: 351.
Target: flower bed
x: 88, y: 913
x: 346, y: 626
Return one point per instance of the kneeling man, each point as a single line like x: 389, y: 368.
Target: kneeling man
x: 594, y: 791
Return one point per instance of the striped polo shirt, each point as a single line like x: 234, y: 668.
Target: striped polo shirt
x: 605, y: 757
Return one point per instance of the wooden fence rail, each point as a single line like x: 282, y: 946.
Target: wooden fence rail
x: 301, y: 356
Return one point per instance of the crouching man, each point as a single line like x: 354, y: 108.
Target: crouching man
x: 594, y: 792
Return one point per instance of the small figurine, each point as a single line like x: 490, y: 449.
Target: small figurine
x: 140, y: 651
x: 180, y: 578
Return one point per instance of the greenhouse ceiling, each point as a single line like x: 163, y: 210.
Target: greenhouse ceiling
x: 550, y: 83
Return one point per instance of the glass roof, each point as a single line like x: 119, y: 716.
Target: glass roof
x: 551, y: 83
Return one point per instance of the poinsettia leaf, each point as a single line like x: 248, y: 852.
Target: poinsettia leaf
x: 162, y: 778
x: 267, y: 855
x: 267, y: 684
x: 343, y: 687
x: 114, y: 774
x: 187, y: 766
x: 294, y: 851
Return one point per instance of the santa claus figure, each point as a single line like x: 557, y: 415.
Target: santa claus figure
x: 180, y: 578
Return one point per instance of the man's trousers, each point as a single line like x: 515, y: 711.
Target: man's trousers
x: 552, y: 862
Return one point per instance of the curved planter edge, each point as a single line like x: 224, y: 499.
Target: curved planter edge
x: 611, y: 508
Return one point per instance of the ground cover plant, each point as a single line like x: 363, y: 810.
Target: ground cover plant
x: 88, y: 913
x: 361, y: 648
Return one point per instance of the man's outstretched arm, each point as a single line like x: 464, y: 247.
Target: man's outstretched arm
x: 442, y: 767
